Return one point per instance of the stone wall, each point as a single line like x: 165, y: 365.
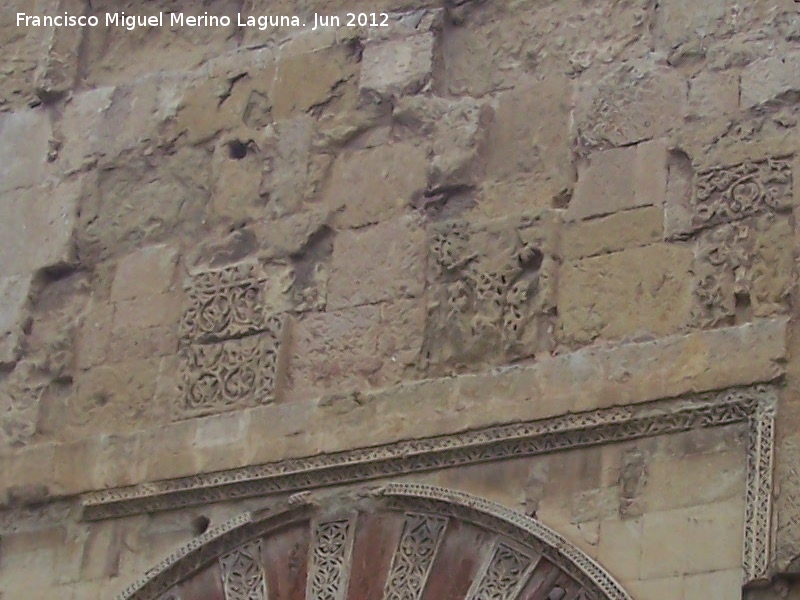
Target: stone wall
x: 227, y: 247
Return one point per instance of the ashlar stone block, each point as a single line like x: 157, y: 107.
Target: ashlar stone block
x: 770, y: 78
x: 619, y: 179
x: 633, y: 292
x: 24, y: 147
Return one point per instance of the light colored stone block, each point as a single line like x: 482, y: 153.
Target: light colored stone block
x: 376, y: 184
x: 620, y: 179
x: 24, y: 147
x: 381, y: 262
x: 770, y: 78
x: 398, y: 66
x: 716, y: 584
x: 629, y: 293
x: 627, y: 229
x: 145, y: 272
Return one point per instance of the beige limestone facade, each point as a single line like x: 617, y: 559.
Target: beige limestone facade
x: 454, y: 299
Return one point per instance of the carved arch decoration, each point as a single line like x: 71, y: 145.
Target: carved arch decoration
x: 396, y: 542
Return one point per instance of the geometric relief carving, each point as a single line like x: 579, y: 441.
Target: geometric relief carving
x: 413, y: 558
x: 503, y: 576
x: 730, y: 193
x: 490, y: 289
x: 243, y: 576
x: 231, y: 374
x: 331, y: 549
x: 231, y: 336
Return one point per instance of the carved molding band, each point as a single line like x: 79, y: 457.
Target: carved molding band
x: 751, y: 405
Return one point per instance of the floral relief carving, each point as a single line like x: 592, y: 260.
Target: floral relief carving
x: 504, y: 575
x: 730, y: 193
x: 490, y: 290
x: 243, y: 575
x: 331, y: 547
x: 747, y: 264
x: 231, y: 374
x: 413, y: 558
x: 231, y: 338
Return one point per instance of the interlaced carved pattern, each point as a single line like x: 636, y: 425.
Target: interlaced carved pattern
x: 729, y: 193
x: 503, y: 576
x: 758, y: 505
x: 412, y: 561
x: 512, y: 524
x: 331, y: 549
x: 243, y: 576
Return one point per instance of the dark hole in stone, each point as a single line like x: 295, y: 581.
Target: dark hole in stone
x: 742, y: 306
x: 200, y: 524
x: 237, y: 150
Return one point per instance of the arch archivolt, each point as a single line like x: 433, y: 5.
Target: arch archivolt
x: 397, y: 541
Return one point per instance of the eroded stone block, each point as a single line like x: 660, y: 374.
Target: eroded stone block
x: 490, y: 289
x: 145, y: 272
x: 770, y: 78
x: 378, y: 263
x: 743, y: 269
x: 397, y: 67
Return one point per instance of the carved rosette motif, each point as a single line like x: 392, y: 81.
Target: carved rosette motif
x: 413, y: 559
x: 331, y: 547
x: 230, y: 340
x: 243, y: 576
x: 503, y: 576
x: 490, y: 290
x: 743, y: 259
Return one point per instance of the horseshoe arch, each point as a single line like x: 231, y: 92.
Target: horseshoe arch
x: 396, y: 542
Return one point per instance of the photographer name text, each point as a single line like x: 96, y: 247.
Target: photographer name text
x: 177, y: 19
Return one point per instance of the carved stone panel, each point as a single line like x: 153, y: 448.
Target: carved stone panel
x: 233, y: 301
x: 490, y: 290
x: 331, y: 546
x: 729, y: 193
x: 236, y: 373
x: 414, y: 556
x: 744, y: 267
x: 503, y: 576
x: 231, y: 338
x: 243, y: 573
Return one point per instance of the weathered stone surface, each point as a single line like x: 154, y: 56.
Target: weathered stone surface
x: 679, y: 22
x: 313, y: 81
x: 633, y: 103
x: 714, y: 94
x: 770, y: 79
x: 620, y: 179
x: 398, y: 66
x: 24, y: 149
x: 377, y: 263
x: 145, y: 272
x: 372, y: 185
x: 37, y: 227
x: 642, y: 291
x: 743, y: 269
x: 363, y: 347
x: 490, y: 290
x: 14, y: 294
x: 626, y: 229
x: 528, y: 133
